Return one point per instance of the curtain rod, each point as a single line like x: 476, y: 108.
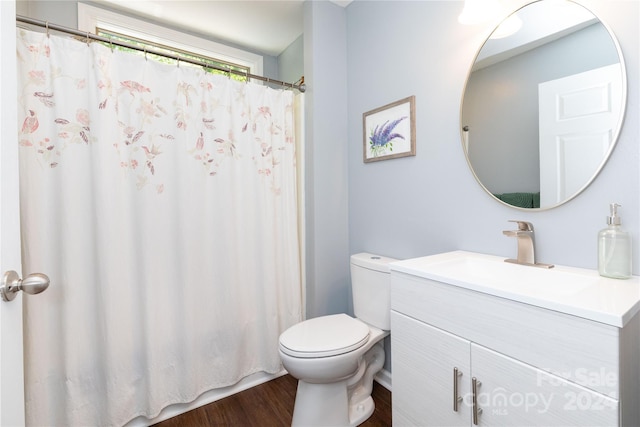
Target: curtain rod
x: 46, y: 24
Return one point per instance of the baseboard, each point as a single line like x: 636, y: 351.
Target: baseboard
x: 205, y: 398
x: 384, y: 379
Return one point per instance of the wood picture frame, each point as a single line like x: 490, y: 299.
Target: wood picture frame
x: 389, y: 131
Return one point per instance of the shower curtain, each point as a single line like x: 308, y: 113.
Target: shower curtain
x: 161, y: 201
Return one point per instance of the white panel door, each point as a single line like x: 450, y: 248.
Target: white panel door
x: 512, y: 393
x: 578, y: 116
x: 11, y: 362
x: 423, y: 363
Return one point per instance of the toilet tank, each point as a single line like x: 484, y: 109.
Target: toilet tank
x: 371, y: 289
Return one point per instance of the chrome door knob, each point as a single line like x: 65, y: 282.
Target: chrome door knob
x: 32, y: 284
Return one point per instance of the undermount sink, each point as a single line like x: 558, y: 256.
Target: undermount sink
x: 576, y: 291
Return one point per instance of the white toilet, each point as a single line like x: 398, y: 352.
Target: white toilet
x: 336, y: 357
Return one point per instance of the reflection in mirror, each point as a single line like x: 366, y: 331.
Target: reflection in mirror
x: 543, y: 107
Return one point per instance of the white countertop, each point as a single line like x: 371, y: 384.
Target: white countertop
x: 576, y: 291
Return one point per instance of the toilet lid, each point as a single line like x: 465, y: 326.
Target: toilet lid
x: 324, y: 336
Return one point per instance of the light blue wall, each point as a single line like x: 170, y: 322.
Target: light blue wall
x: 60, y: 12
x: 431, y: 203
x: 291, y: 62
x: 325, y: 69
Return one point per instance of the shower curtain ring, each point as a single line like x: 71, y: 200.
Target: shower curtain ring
x: 246, y: 76
x: 46, y: 25
x: 145, y: 53
x: 87, y: 38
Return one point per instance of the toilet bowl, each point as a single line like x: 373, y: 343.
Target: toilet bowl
x: 335, y: 357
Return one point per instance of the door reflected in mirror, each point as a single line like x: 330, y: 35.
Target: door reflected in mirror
x: 543, y: 107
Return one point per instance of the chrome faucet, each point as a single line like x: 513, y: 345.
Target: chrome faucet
x: 526, y: 245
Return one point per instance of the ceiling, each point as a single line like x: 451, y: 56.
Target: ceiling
x: 266, y: 26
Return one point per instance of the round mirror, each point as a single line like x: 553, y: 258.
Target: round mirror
x: 543, y: 106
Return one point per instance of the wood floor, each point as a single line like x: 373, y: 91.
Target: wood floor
x: 269, y: 404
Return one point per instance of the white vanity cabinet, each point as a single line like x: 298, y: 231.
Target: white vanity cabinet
x: 425, y: 363
x: 429, y: 363
x: 532, y: 365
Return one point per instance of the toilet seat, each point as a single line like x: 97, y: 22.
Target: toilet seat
x: 324, y: 336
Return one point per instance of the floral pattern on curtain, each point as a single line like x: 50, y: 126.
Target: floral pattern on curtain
x: 161, y: 201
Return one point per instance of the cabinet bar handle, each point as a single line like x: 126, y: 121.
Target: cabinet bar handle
x: 474, y: 389
x: 456, y: 399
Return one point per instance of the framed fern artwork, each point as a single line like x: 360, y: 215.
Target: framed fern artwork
x: 390, y: 131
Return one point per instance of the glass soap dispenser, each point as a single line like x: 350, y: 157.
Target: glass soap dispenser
x: 614, y: 248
